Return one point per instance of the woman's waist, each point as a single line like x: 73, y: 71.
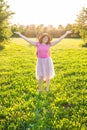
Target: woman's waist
x: 43, y: 59
x: 43, y: 56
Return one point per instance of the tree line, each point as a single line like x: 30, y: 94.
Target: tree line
x: 7, y: 30
x: 5, y: 15
x: 33, y: 30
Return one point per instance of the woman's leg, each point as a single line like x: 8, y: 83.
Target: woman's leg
x: 47, y: 84
x: 40, y: 81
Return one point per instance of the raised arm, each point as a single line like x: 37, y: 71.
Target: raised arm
x: 59, y: 39
x: 25, y: 38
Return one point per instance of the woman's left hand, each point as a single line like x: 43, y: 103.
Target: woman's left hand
x: 69, y: 32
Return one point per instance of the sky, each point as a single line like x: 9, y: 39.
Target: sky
x: 47, y: 12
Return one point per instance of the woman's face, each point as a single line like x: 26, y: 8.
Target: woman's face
x: 45, y: 39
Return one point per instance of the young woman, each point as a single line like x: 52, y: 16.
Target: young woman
x: 44, y: 67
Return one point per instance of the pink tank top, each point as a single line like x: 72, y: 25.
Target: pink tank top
x: 43, y: 50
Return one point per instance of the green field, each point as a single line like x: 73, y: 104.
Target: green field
x: 64, y: 107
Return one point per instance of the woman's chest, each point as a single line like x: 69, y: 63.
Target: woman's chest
x: 44, y: 48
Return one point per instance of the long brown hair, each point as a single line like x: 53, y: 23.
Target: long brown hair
x: 41, y: 36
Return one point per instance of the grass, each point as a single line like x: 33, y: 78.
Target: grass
x: 63, y: 108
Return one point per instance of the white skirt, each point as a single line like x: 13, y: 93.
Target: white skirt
x: 44, y: 68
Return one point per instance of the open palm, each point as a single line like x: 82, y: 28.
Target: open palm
x: 17, y: 33
x: 69, y: 32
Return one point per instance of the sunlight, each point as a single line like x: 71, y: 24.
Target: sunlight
x: 45, y: 12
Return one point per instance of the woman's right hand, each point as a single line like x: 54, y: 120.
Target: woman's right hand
x: 17, y: 33
x: 69, y: 32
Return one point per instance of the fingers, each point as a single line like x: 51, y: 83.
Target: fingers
x: 17, y: 33
x: 69, y: 32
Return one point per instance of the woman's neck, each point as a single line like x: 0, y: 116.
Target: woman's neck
x: 43, y: 43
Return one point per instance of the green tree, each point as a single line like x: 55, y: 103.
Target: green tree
x: 82, y: 24
x: 16, y: 28
x: 5, y: 14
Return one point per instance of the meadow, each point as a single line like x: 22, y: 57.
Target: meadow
x: 64, y: 107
